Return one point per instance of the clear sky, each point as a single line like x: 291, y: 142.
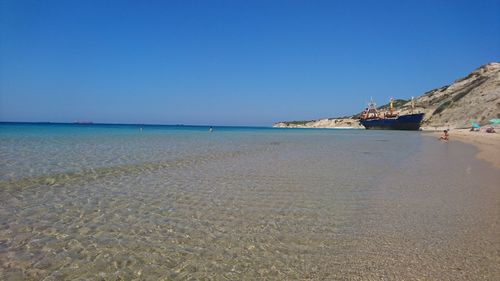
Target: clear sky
x: 232, y: 62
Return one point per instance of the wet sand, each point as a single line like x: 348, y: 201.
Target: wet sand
x: 488, y: 144
x: 438, y: 221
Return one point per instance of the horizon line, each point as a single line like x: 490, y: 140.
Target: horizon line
x: 85, y: 123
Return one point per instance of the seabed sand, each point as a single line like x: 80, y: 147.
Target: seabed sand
x: 315, y: 205
x: 434, y: 218
x: 488, y: 144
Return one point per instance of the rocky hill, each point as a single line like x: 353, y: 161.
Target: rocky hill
x: 475, y: 97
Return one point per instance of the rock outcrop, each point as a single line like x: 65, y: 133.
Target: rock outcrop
x: 475, y: 97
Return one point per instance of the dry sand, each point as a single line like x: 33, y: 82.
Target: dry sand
x: 488, y: 144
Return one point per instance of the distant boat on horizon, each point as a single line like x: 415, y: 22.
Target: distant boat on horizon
x: 83, y: 122
x: 371, y: 118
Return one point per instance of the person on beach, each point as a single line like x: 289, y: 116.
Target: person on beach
x: 445, y: 136
x: 210, y: 129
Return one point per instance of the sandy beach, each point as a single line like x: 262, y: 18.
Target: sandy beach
x: 488, y: 144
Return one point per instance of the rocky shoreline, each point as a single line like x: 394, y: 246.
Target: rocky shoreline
x: 337, y: 123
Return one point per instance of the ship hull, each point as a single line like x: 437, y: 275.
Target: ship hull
x: 403, y: 122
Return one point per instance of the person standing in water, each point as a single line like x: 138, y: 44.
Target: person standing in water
x: 210, y: 129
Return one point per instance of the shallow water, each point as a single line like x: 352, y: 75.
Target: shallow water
x: 117, y: 203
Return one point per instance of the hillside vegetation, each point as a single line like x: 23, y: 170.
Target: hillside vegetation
x: 475, y: 97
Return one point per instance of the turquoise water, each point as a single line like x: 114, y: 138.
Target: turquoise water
x: 44, y: 149
x: 30, y: 150
x: 114, y: 202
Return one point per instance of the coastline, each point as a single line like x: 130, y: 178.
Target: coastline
x: 329, y: 123
x: 487, y: 144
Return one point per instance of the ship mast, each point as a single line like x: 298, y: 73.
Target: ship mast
x: 371, y: 110
x: 391, y: 106
x: 412, y: 105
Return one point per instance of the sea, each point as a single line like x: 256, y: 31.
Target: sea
x: 154, y: 202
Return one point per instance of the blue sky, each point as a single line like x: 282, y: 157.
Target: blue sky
x: 231, y: 62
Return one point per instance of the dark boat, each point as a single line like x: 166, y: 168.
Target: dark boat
x: 371, y: 118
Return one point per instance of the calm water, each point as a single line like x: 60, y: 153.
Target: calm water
x: 107, y: 202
